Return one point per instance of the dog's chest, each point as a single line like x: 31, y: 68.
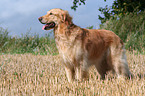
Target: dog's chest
x: 70, y: 50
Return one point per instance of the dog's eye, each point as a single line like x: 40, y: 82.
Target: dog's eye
x: 50, y: 13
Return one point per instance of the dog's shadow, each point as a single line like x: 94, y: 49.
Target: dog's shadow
x: 139, y: 75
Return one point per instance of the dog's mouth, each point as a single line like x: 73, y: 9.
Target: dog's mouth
x: 48, y: 26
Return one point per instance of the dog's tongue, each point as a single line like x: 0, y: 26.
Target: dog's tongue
x: 48, y: 25
x: 43, y: 28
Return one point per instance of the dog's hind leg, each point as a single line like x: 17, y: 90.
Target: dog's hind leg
x: 120, y: 64
x: 102, y: 68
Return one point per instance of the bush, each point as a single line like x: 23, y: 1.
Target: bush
x: 130, y: 28
x: 27, y: 44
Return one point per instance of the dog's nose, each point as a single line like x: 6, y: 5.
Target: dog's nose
x: 40, y: 18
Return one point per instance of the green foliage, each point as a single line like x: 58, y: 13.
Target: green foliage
x: 27, y: 44
x: 90, y: 27
x: 130, y: 28
x: 118, y: 9
x: 76, y: 3
x: 3, y: 37
x: 121, y: 8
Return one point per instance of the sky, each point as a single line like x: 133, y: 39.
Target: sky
x: 21, y: 16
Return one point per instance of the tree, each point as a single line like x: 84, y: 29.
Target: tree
x: 76, y: 2
x: 118, y: 9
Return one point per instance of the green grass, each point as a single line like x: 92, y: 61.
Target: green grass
x: 26, y: 44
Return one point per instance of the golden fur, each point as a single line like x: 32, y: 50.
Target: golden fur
x: 80, y: 48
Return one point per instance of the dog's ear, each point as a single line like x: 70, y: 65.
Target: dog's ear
x: 66, y: 18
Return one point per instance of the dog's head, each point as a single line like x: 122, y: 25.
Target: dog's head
x: 54, y: 17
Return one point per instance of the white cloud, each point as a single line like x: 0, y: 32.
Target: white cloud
x: 24, y: 7
x: 20, y: 15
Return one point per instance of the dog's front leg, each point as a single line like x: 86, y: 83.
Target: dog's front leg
x: 78, y: 73
x: 70, y: 73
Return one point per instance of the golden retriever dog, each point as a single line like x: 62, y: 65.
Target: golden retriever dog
x: 80, y: 48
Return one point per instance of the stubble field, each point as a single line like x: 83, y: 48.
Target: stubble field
x: 39, y: 75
